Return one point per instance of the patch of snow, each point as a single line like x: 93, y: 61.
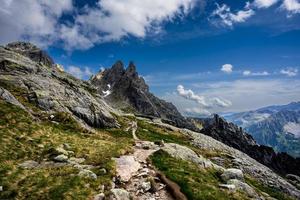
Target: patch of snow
x: 107, y: 92
x: 293, y: 128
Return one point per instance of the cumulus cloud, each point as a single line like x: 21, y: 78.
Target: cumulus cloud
x: 79, y: 72
x: 292, y: 6
x: 223, y: 15
x: 289, y: 72
x: 249, y: 73
x: 264, y: 3
x: 36, y: 20
x: 201, y: 100
x: 227, y: 68
x: 109, y: 20
x: 197, y: 111
x: 112, y: 20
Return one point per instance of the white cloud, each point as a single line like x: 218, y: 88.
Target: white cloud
x: 201, y: 100
x: 249, y: 73
x: 293, y: 128
x: 245, y: 94
x: 79, y: 72
x: 292, y: 6
x: 197, y: 111
x: 289, y: 72
x: 36, y: 20
x: 112, y: 20
x: 228, y: 18
x: 264, y: 3
x: 227, y: 68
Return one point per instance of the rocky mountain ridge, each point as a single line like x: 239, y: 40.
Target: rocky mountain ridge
x: 234, y: 136
x: 126, y: 90
x: 274, y: 126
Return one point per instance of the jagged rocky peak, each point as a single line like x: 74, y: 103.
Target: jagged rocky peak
x: 117, y: 75
x: 125, y: 89
x: 30, y: 50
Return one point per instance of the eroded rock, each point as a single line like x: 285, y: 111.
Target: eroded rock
x: 232, y: 173
x: 119, y: 194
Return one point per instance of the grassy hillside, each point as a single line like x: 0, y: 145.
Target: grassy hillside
x: 22, y: 138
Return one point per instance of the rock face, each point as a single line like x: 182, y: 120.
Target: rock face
x: 275, y: 126
x: 8, y: 97
x: 185, y: 153
x: 234, y: 136
x: 25, y: 68
x: 125, y: 89
x: 31, y: 51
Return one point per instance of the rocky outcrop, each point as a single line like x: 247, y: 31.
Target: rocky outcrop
x: 31, y: 51
x: 126, y: 90
x: 185, y: 153
x: 8, y: 97
x: 27, y: 71
x: 234, y: 136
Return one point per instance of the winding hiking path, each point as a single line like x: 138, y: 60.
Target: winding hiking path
x: 136, y: 172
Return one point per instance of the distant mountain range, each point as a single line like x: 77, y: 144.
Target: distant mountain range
x: 276, y: 126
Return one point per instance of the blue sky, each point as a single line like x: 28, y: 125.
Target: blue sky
x: 204, y: 56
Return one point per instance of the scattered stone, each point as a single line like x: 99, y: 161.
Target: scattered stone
x: 51, y: 164
x: 119, y: 194
x: 74, y: 160
x: 232, y: 173
x: 66, y: 146
x: 40, y: 146
x: 60, y: 150
x: 103, y: 171
x: 87, y: 174
x: 61, y: 158
x: 113, y: 185
x: 51, y: 117
x: 101, y: 188
x: 100, y: 196
x: 29, y: 164
x: 244, y: 187
x: 1, y: 188
x: 146, y: 186
x: 227, y: 186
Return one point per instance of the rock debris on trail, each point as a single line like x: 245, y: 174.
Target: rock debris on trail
x: 136, y: 173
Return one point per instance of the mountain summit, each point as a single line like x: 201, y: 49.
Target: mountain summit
x: 126, y: 90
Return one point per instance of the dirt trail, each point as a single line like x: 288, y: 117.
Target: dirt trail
x: 136, y: 173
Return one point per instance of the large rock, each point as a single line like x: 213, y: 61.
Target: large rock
x: 125, y: 89
x: 232, y: 173
x: 29, y: 164
x: 126, y: 167
x: 244, y: 187
x: 119, y: 194
x: 61, y: 158
x: 185, y: 153
x: 25, y: 67
x: 87, y: 174
x: 31, y: 51
x: 8, y: 97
